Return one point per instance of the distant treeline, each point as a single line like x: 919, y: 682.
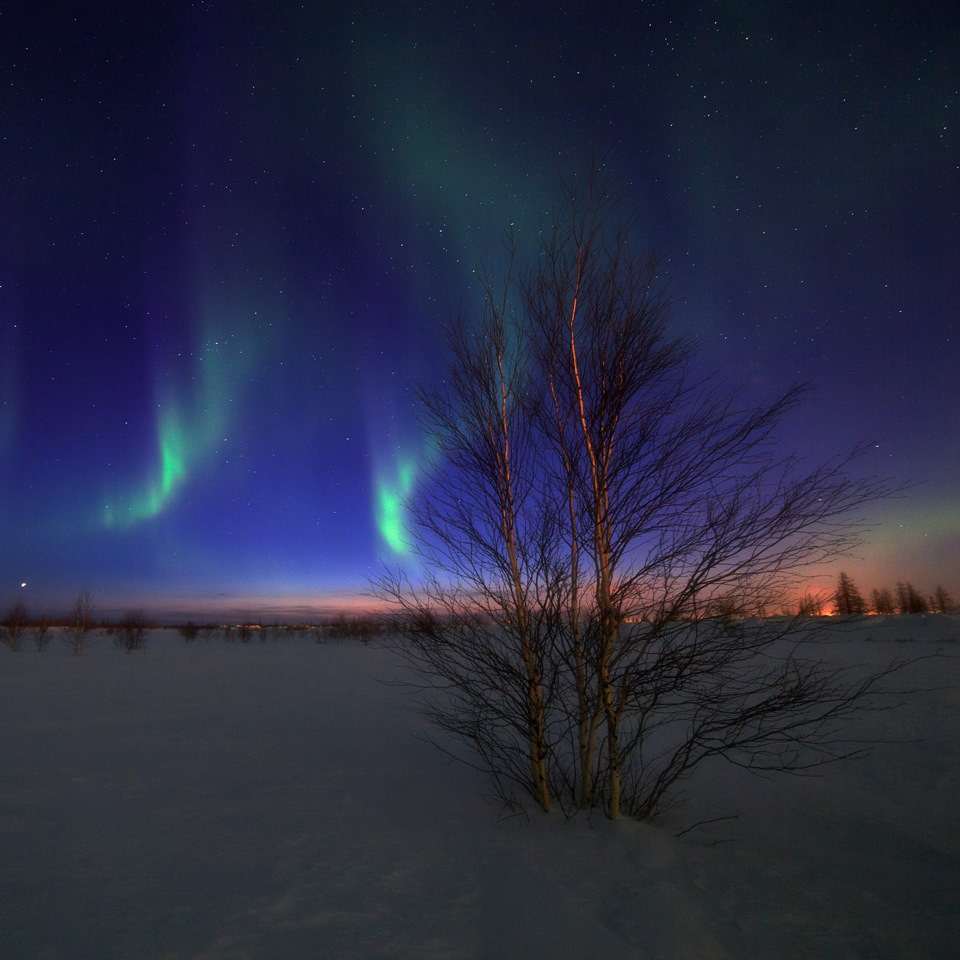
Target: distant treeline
x: 358, y: 626
x: 847, y: 600
x: 79, y: 628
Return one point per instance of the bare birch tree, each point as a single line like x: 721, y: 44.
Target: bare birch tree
x: 478, y: 619
x: 594, y: 507
x: 132, y: 630
x: 40, y: 633
x: 78, y: 632
x: 14, y: 628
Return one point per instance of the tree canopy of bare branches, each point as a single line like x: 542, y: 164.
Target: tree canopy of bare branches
x: 599, y: 539
x: 79, y: 630
x: 14, y: 628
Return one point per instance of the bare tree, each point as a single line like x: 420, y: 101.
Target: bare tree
x: 882, y: 602
x: 40, y: 633
x: 79, y: 630
x: 133, y: 629
x: 362, y: 626
x: 482, y: 603
x: 941, y: 601
x: 847, y: 599
x: 810, y: 605
x: 14, y: 628
x: 594, y: 509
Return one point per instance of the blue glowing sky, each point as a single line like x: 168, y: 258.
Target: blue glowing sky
x: 231, y: 234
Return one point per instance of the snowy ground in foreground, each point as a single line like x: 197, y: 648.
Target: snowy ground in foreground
x: 272, y: 801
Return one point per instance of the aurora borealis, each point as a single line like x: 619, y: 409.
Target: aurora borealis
x: 232, y: 233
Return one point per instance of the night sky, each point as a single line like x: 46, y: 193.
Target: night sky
x: 232, y: 233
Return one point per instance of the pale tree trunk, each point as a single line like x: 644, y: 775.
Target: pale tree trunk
x: 609, y: 629
x: 599, y: 469
x: 588, y: 716
x: 677, y: 498
x: 536, y: 720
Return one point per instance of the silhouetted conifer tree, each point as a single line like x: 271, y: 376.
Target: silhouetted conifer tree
x: 909, y: 600
x: 882, y: 602
x: 941, y: 601
x: 847, y: 599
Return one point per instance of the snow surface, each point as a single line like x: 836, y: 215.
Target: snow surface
x: 213, y: 800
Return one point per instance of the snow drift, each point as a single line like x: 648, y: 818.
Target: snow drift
x: 274, y: 800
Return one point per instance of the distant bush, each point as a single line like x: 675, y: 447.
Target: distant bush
x: 810, y: 605
x: 40, y: 633
x: 79, y: 632
x: 13, y: 630
x: 363, y: 627
x: 132, y: 630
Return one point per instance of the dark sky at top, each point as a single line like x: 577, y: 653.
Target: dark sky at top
x: 231, y: 234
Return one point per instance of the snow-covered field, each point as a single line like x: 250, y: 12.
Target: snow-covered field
x: 213, y: 800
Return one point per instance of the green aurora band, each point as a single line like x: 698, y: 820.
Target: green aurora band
x: 460, y: 197
x: 189, y: 433
x: 391, y: 495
